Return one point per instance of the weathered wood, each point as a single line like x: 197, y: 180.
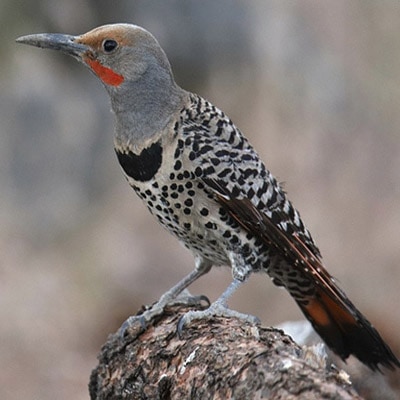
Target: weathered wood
x: 215, y: 359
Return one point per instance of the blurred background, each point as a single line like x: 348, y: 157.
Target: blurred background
x: 314, y: 85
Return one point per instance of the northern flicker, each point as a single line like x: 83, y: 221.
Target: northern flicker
x: 203, y: 181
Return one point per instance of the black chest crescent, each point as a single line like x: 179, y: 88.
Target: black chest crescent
x: 141, y: 167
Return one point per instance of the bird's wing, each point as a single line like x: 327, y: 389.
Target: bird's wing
x: 288, y: 245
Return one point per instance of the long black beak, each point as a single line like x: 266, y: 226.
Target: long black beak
x: 57, y: 41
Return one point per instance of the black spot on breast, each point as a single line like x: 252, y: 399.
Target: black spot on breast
x: 144, y: 166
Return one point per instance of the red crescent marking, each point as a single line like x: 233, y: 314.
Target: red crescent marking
x: 107, y: 75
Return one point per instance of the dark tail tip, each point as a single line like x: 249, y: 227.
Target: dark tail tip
x: 365, y: 342
x: 346, y: 331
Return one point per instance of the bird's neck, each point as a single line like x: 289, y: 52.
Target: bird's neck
x: 143, y: 109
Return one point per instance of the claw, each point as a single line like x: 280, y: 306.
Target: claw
x: 130, y: 322
x: 179, y: 327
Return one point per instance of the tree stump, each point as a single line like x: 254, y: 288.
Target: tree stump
x: 218, y: 358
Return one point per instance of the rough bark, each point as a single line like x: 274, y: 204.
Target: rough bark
x: 217, y: 358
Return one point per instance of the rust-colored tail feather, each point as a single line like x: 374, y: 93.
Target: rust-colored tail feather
x: 346, y: 331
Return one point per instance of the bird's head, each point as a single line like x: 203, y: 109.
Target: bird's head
x: 116, y: 53
x: 132, y: 66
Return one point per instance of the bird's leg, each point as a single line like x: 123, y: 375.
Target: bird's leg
x: 173, y: 295
x: 219, y: 308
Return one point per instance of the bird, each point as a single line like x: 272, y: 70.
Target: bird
x: 203, y: 181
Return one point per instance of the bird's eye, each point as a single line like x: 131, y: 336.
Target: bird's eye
x: 109, y: 45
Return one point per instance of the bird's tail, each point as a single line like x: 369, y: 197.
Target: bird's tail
x: 346, y: 331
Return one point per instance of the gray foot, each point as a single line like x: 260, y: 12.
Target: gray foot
x: 176, y: 293
x: 143, y: 320
x: 217, y: 309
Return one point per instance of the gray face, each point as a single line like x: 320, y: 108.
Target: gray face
x: 133, y: 68
x: 126, y: 50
